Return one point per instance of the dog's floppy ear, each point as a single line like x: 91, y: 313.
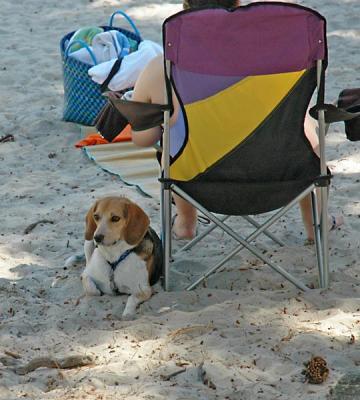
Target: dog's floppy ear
x: 90, y: 225
x: 137, y: 224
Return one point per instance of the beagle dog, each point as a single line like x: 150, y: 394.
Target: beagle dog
x: 123, y: 253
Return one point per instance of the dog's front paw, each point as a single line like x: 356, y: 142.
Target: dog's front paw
x: 73, y: 260
x: 130, y: 308
x: 89, y: 286
x: 128, y: 317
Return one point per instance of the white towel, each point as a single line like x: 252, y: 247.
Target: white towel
x: 109, y: 45
x: 130, y: 69
x: 83, y: 55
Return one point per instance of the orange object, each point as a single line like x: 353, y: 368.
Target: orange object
x: 95, y: 138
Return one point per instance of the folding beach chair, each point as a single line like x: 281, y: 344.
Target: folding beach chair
x: 244, y: 79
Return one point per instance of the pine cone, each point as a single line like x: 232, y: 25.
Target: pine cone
x: 316, y: 370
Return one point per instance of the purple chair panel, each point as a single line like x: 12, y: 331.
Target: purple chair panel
x: 177, y: 134
x: 193, y: 86
x: 268, y: 38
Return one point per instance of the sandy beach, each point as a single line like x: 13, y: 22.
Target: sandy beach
x: 246, y: 329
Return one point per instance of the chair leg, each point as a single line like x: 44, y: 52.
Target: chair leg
x: 324, y: 236
x: 324, y: 189
x: 266, y: 232
x: 199, y: 237
x: 166, y: 232
x: 317, y: 235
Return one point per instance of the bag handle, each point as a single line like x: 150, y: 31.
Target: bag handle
x: 83, y: 44
x: 124, y: 44
x: 130, y: 21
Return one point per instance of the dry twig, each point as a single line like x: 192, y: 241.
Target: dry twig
x: 12, y: 354
x: 32, y: 226
x: 175, y: 373
x: 49, y: 362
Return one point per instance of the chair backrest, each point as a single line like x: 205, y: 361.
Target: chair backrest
x: 244, y: 79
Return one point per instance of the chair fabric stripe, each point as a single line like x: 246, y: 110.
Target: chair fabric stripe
x: 254, y: 97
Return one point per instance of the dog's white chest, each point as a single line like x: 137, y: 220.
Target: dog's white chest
x: 129, y: 276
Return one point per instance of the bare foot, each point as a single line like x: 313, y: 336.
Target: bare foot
x: 184, y: 227
x: 334, y: 223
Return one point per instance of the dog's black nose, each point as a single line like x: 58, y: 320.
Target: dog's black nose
x: 98, y: 238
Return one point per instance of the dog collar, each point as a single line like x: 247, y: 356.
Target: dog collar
x: 121, y: 258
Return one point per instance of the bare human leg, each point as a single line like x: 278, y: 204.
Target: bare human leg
x: 184, y: 226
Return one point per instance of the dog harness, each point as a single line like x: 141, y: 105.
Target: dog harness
x: 124, y: 255
x: 113, y: 266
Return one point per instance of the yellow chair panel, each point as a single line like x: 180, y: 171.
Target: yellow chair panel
x: 221, y: 122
